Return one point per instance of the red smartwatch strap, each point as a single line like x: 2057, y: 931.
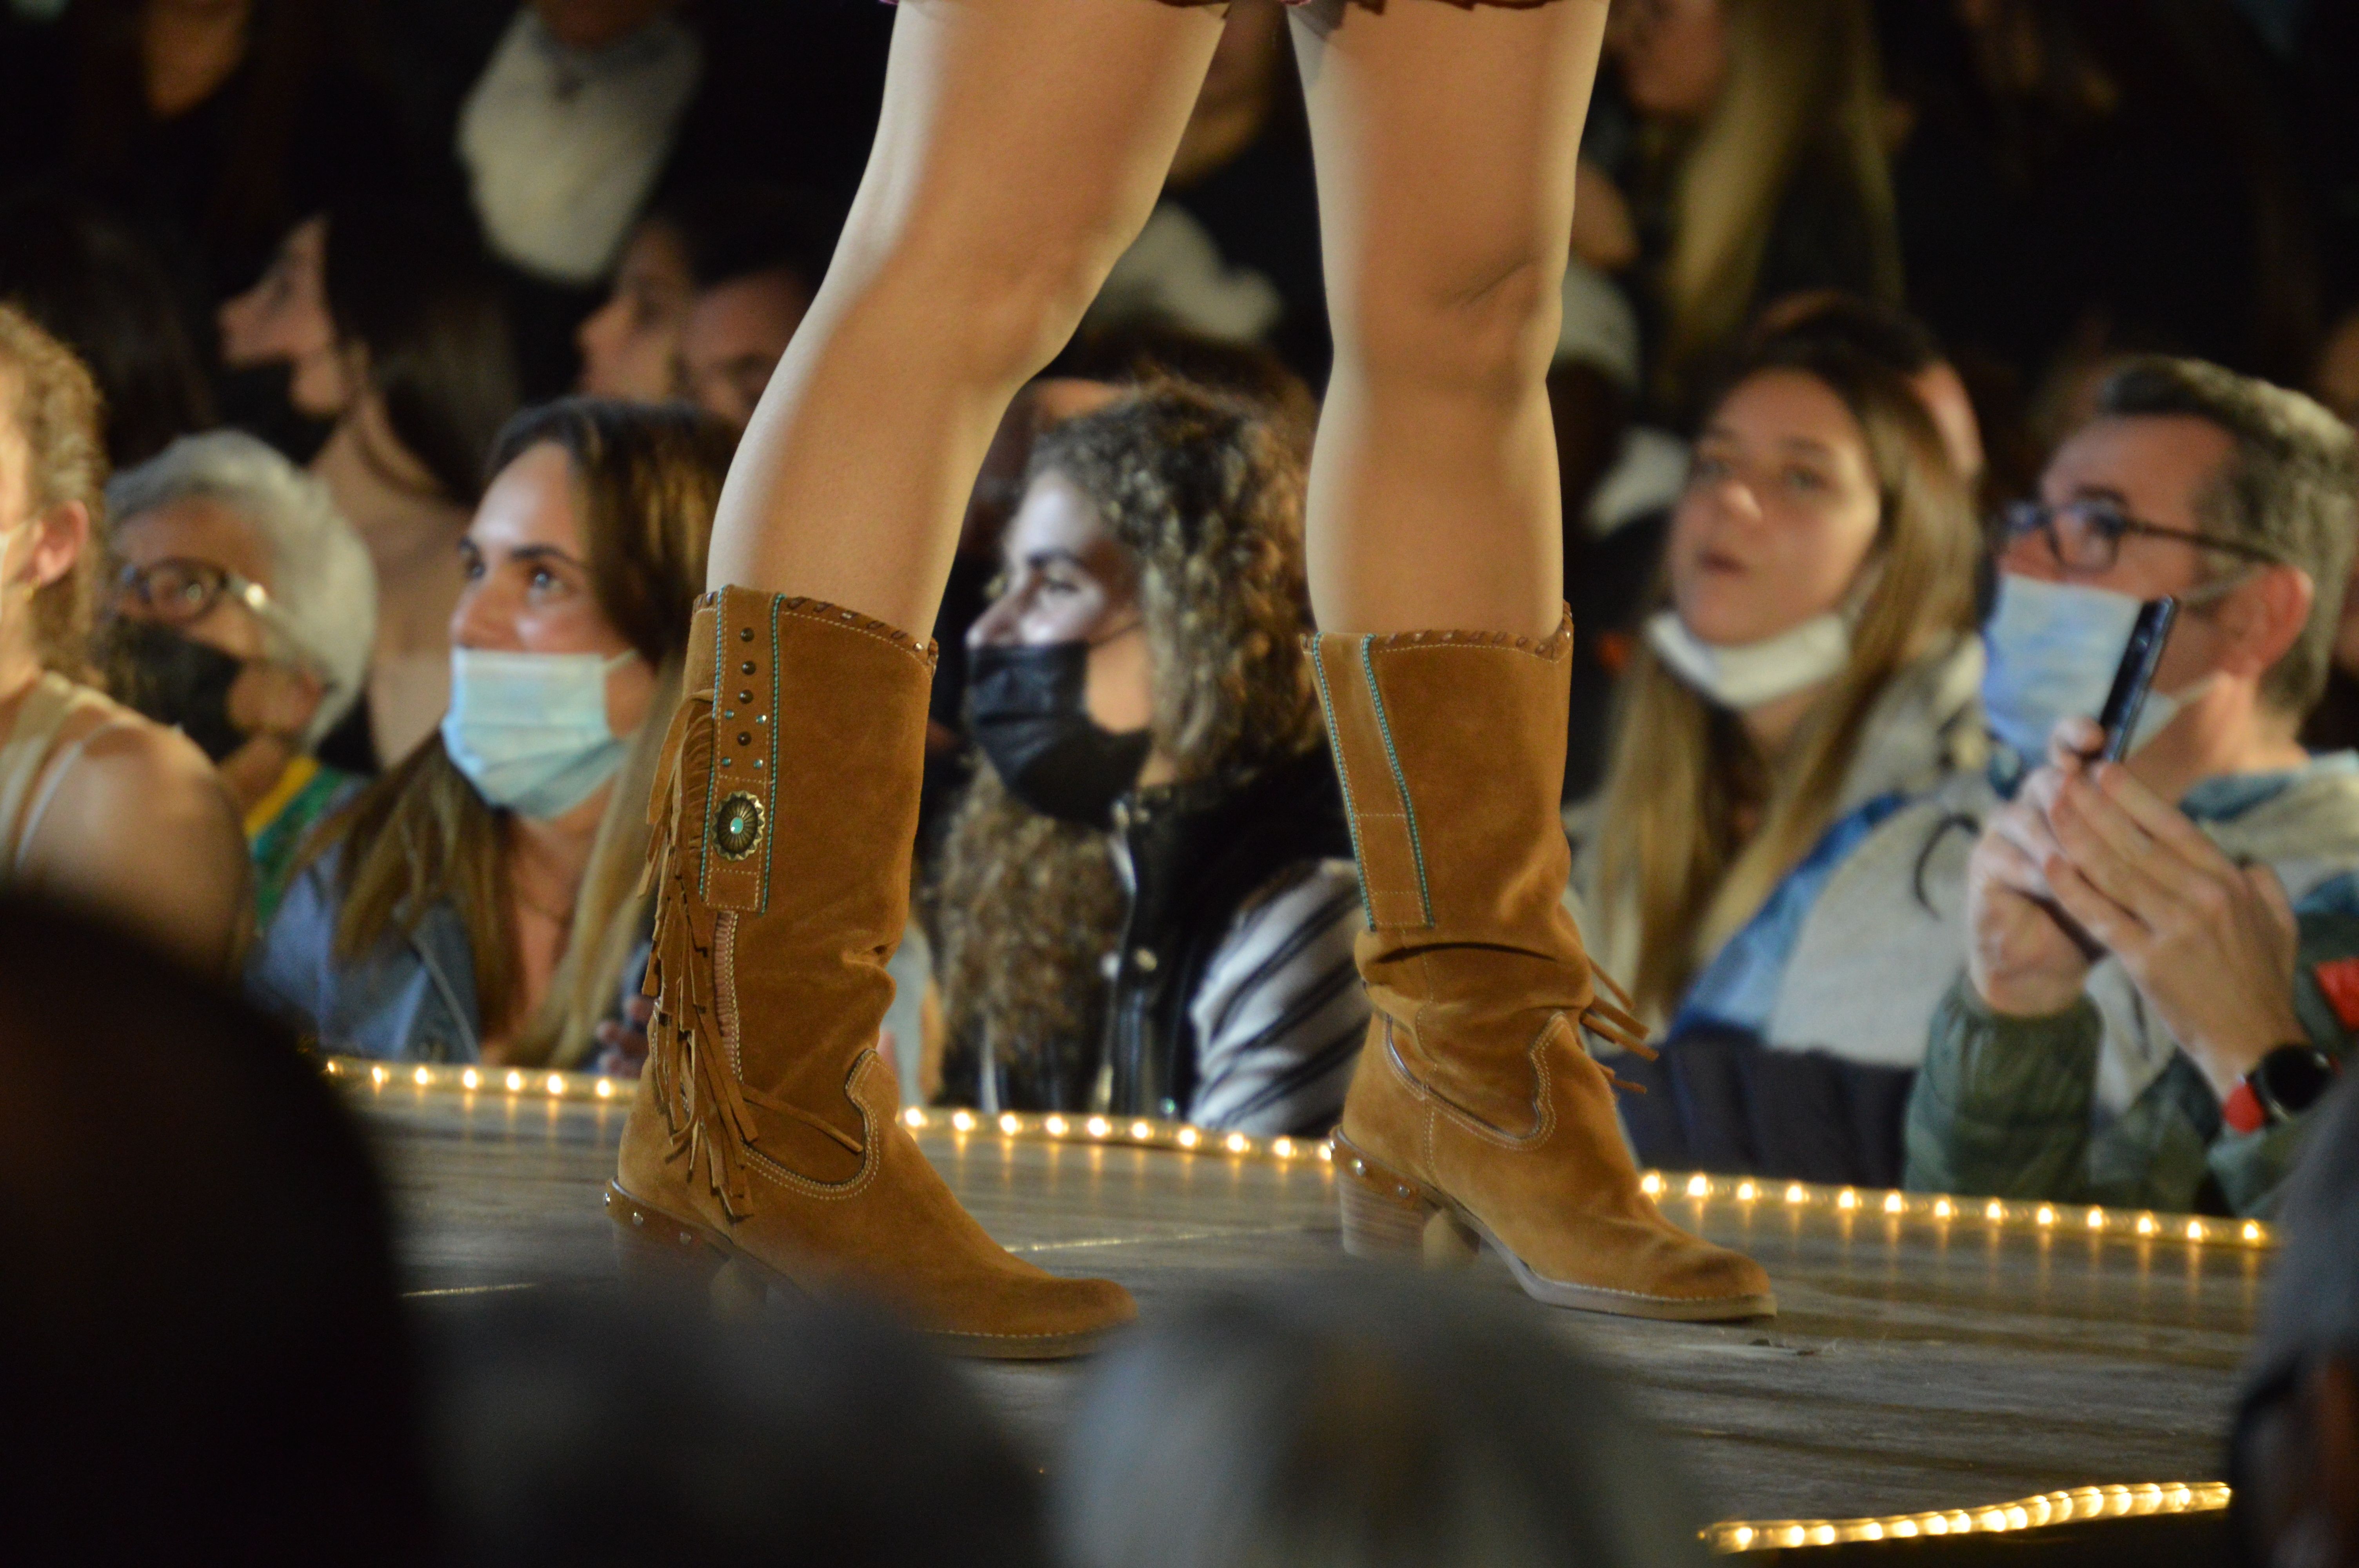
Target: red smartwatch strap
x: 2243, y: 1110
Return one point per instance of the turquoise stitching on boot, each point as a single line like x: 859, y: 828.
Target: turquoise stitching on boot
x: 762, y: 905
x: 711, y: 773
x: 1343, y: 777
x: 1409, y: 812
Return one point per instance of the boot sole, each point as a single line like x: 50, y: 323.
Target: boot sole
x: 1387, y: 1216
x: 666, y: 1258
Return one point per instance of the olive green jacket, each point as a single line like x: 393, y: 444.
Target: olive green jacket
x: 2007, y: 1107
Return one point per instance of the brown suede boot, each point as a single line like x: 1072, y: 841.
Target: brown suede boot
x: 1475, y: 1110
x: 767, y: 1130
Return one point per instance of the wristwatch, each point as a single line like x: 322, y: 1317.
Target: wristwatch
x: 2281, y: 1086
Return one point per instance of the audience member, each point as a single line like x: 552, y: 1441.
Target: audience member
x: 1359, y: 1421
x: 479, y: 902
x: 757, y: 260
x: 630, y: 344
x: 2294, y: 1455
x: 88, y: 280
x: 98, y: 806
x: 782, y: 1442
x: 1765, y: 169
x: 211, y: 127
x: 2237, y: 497
x: 201, y: 1346
x: 243, y: 616
x: 395, y: 330
x: 1816, y: 658
x: 1893, y: 338
x: 1140, y: 690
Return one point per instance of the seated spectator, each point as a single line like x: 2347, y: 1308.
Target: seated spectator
x: 479, y: 902
x: 394, y: 328
x: 89, y: 281
x: 630, y: 344
x: 200, y: 1326
x: 2294, y: 1455
x: 1765, y: 172
x: 98, y: 806
x: 2237, y: 497
x: 738, y: 327
x: 243, y: 616
x: 1141, y: 693
x: 823, y: 1418
x: 1816, y: 659
x: 1360, y: 1422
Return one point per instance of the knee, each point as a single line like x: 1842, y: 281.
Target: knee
x: 1483, y: 330
x: 992, y: 306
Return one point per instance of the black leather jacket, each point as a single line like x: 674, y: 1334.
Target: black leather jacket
x: 1197, y: 852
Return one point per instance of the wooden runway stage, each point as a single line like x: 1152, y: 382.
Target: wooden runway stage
x: 1917, y: 1362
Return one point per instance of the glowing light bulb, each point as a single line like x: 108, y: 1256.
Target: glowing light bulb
x: 1011, y: 1124
x: 1846, y: 1199
x: 470, y: 1077
x: 556, y: 1084
x: 605, y: 1088
x: 1795, y: 1194
x: 1871, y: 1530
x: 963, y: 1121
x: 2045, y: 1216
x: 1141, y: 1129
x: 1943, y: 1208
x: 2194, y: 1230
x: 1651, y: 1183
x: 1795, y: 1535
x: 1994, y: 1210
x: 2096, y: 1219
x: 2252, y: 1231
x: 1893, y: 1203
x: 1239, y: 1143
x: 515, y: 1082
x: 1282, y: 1147
x: 2146, y: 1225
x: 1904, y: 1530
x: 1188, y: 1138
x: 1099, y: 1126
x: 1746, y: 1192
x: 1698, y: 1187
x: 423, y: 1076
x: 1327, y: 1152
x: 377, y: 1076
x: 1994, y: 1520
x: 913, y: 1118
x: 1741, y: 1537
x: 1824, y: 1535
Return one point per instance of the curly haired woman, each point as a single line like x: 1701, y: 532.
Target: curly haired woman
x: 1159, y: 804
x: 1021, y: 145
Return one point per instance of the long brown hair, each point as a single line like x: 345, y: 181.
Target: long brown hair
x: 1677, y: 875
x: 420, y: 836
x: 56, y: 409
x: 1206, y: 499
x: 1804, y: 88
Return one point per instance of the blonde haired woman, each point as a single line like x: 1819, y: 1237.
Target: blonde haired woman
x: 479, y: 903
x: 1816, y: 665
x: 98, y: 806
x: 1764, y: 162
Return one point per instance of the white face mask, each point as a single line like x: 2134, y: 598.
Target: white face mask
x: 2053, y: 649
x: 1748, y: 675
x: 530, y: 730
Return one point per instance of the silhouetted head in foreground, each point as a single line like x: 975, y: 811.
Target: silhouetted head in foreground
x: 201, y: 1355
x: 573, y: 1434
x: 1353, y: 1420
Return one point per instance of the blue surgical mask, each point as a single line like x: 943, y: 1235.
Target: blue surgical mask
x: 2053, y: 648
x: 1744, y: 677
x: 530, y: 730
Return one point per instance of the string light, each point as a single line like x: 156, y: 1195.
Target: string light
x: 1998, y: 1519
x: 1698, y: 1185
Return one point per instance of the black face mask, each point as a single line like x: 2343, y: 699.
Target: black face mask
x: 1026, y: 708
x: 173, y: 680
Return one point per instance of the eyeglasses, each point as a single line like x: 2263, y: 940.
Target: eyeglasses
x: 2086, y: 537
x: 178, y: 592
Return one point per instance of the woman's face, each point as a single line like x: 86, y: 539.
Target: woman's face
x: 1064, y: 579
x: 202, y: 529
x: 1779, y: 513
x: 630, y: 345
x: 284, y: 319
x: 527, y: 589
x: 1673, y: 55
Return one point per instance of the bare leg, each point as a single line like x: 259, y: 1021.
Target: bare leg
x: 1022, y: 145
x: 1446, y: 141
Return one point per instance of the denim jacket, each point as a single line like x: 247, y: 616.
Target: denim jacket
x: 413, y: 999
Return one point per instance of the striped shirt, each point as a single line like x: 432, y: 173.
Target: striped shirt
x: 1279, y: 1013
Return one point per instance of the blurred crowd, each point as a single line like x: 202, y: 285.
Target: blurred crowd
x: 374, y: 373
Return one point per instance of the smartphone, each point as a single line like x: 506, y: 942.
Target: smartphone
x: 2134, y: 675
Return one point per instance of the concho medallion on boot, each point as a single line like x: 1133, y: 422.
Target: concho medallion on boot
x: 1477, y: 1111
x: 766, y: 1137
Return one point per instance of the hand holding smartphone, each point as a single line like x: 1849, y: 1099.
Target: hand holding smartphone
x: 2134, y: 677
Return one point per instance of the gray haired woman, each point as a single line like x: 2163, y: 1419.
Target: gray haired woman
x: 243, y: 611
